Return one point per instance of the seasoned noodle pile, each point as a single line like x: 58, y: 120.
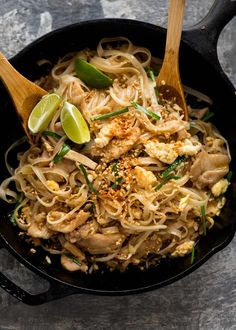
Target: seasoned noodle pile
x: 146, y: 185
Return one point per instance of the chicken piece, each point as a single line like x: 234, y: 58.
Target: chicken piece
x: 165, y: 152
x: 144, y: 178
x: 71, y: 265
x: 101, y: 243
x: 183, y: 249
x: 84, y: 231
x: 69, y: 224
x: 119, y: 147
x: 38, y: 228
x: 208, y: 169
x: 219, y: 187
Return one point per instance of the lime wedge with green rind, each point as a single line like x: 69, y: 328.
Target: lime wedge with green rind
x: 90, y: 75
x: 43, y: 112
x: 73, y: 124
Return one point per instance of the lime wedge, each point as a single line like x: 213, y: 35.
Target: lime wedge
x: 74, y: 124
x: 43, y: 112
x: 90, y: 75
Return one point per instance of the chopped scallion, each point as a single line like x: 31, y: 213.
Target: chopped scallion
x: 72, y: 258
x: 229, y: 176
x: 165, y: 180
x: 173, y: 166
x: 193, y: 255
x: 114, y: 168
x: 207, y: 116
x: 151, y: 74
x: 203, y: 214
x: 117, y: 183
x: 110, y: 114
x: 89, y: 183
x: 146, y: 111
x: 61, y: 154
x: 52, y: 134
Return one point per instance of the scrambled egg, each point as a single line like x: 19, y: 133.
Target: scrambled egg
x: 219, y: 187
x: 53, y: 185
x: 183, y: 249
x: 165, y: 152
x: 168, y: 152
x: 189, y: 148
x: 144, y: 178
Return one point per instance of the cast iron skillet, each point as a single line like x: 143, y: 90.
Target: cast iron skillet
x: 200, y: 69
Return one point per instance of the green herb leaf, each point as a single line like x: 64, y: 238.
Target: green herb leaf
x: 110, y: 114
x: 207, y: 116
x: 203, y: 214
x: 52, y: 134
x: 229, y: 176
x: 114, y: 168
x: 146, y: 111
x: 61, y: 154
x: 72, y: 258
x: 165, y: 180
x: 173, y: 166
x: 193, y: 255
x: 89, y: 183
x: 117, y: 183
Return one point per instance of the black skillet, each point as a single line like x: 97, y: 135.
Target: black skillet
x: 200, y: 69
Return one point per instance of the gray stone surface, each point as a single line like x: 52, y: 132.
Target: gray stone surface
x: 205, y: 299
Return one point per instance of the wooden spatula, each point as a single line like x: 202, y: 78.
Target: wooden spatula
x: 168, y: 80
x: 24, y: 93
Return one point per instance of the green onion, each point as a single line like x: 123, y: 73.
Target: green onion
x: 203, y: 214
x: 173, y: 166
x: 116, y: 184
x: 165, y: 180
x: 207, y: 116
x: 114, y: 168
x: 52, y: 134
x: 60, y: 155
x: 89, y: 183
x: 151, y: 74
x: 72, y: 258
x: 229, y: 176
x: 146, y: 111
x: 110, y: 114
x: 193, y: 255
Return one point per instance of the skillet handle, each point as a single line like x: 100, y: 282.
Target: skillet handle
x: 221, y: 12
x: 55, y: 291
x: 204, y: 35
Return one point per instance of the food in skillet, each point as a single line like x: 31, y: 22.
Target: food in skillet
x: 115, y: 175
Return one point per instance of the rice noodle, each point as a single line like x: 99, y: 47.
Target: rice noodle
x: 137, y: 191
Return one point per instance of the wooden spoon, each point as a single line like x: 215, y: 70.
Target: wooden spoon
x: 168, y: 80
x: 24, y: 93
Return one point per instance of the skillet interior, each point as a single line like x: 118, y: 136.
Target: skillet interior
x: 196, y: 72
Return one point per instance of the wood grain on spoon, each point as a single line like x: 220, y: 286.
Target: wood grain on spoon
x: 168, y: 80
x: 24, y: 93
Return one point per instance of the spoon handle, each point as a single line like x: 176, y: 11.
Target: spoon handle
x: 23, y: 92
x: 174, y: 31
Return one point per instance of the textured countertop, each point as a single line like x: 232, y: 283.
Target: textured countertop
x: 206, y: 299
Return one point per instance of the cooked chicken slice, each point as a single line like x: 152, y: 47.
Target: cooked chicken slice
x: 208, y: 169
x: 101, y: 243
x: 38, y: 228
x: 69, y: 224
x: 90, y: 240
